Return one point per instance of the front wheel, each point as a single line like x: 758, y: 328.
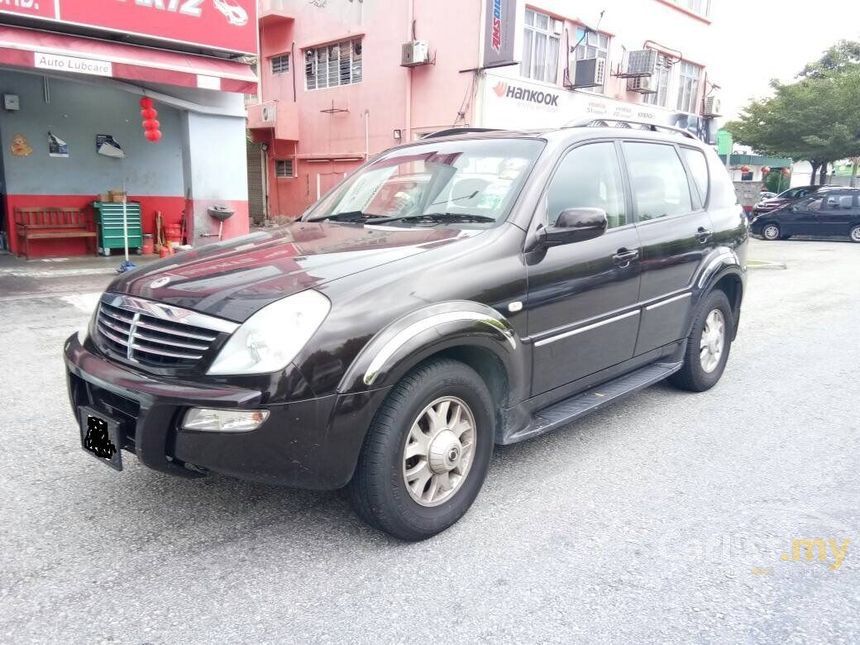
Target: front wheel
x: 708, y: 345
x: 426, y: 453
x: 771, y: 232
x: 855, y: 233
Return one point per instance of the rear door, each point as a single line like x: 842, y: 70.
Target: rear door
x: 669, y: 185
x: 836, y: 213
x: 582, y: 301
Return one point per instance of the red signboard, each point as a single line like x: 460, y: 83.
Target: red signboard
x: 226, y: 25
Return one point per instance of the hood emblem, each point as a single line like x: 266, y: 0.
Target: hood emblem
x: 160, y: 282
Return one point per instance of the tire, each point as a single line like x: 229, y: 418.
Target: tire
x: 697, y: 374
x: 770, y: 231
x: 379, y: 492
x: 854, y: 234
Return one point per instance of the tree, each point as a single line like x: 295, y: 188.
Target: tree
x: 813, y: 119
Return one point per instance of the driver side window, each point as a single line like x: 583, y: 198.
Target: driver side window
x: 588, y: 177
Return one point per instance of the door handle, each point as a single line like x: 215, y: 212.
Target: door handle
x: 703, y: 235
x: 624, y: 257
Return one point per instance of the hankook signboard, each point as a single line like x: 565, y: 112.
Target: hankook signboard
x: 223, y: 25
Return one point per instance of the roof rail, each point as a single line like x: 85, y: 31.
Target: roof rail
x: 627, y: 123
x: 452, y: 131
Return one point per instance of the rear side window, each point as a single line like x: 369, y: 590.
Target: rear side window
x: 699, y: 169
x: 658, y: 180
x: 722, y: 189
x: 588, y: 177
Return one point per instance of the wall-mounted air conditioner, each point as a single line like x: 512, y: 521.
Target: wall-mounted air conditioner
x: 641, y: 84
x: 641, y: 62
x: 415, y: 53
x: 590, y: 72
x: 712, y: 106
x: 557, y: 27
x: 269, y: 113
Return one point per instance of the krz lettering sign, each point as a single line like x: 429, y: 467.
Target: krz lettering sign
x: 227, y: 25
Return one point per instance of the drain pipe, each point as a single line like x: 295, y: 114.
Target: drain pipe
x: 409, y: 75
x: 366, y: 135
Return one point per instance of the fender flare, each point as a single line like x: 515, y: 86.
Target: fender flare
x: 721, y: 263
x: 421, y: 333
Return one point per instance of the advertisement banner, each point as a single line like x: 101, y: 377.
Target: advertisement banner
x: 224, y: 25
x: 499, y: 32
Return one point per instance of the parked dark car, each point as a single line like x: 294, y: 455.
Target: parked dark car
x: 832, y: 213
x: 785, y: 197
x: 511, y: 283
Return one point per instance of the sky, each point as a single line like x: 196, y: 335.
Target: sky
x: 757, y: 40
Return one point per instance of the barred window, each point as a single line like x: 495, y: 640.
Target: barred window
x: 688, y: 87
x: 541, y: 47
x: 333, y: 65
x: 661, y: 79
x: 281, y: 64
x: 284, y: 168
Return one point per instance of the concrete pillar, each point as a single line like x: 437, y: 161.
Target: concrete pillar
x: 215, y: 170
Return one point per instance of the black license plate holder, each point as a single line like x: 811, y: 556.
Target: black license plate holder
x: 100, y: 437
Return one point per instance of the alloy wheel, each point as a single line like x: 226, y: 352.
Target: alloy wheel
x: 439, y: 451
x: 713, y: 341
x: 771, y: 232
x: 855, y: 234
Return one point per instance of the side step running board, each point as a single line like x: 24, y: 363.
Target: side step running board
x: 563, y: 412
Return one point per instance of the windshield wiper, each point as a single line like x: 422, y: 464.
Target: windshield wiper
x: 345, y: 216
x: 437, y: 217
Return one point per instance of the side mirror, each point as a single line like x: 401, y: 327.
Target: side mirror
x: 575, y: 225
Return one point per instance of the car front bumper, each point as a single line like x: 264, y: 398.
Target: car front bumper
x: 313, y: 443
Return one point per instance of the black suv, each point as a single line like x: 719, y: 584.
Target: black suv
x: 831, y: 213
x: 451, y: 294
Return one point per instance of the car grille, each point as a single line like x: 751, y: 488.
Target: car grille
x: 157, y: 335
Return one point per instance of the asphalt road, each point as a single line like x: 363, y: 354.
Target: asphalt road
x: 664, y: 518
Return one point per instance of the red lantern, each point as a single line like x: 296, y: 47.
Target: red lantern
x: 765, y: 170
x: 148, y: 113
x: 151, y: 125
x: 153, y: 135
x: 146, y: 103
x: 745, y: 168
x: 786, y: 171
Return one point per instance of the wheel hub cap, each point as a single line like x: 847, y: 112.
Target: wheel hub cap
x: 439, y: 451
x: 445, y: 452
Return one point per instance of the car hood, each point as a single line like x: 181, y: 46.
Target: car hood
x: 235, y: 279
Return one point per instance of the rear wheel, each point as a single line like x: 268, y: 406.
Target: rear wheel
x: 708, y: 345
x: 427, y: 452
x: 855, y: 233
x: 771, y: 231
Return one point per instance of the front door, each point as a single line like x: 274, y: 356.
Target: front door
x: 675, y: 232
x: 582, y: 312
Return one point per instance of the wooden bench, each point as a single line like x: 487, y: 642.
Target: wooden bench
x: 52, y: 224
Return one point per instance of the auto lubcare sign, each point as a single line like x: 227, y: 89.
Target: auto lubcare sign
x: 73, y: 64
x: 499, y: 30
x: 224, y: 25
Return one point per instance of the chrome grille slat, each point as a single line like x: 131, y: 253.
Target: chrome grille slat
x: 156, y: 334
x: 146, y: 324
x: 138, y: 336
x: 146, y: 350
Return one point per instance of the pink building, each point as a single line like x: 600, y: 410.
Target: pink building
x: 344, y: 79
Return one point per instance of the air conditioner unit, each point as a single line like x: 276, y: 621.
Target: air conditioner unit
x: 590, y: 72
x: 269, y: 113
x: 641, y: 84
x: 712, y: 106
x: 557, y: 27
x: 415, y: 53
x: 641, y: 62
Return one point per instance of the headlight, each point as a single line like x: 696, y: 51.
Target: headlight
x: 272, y: 337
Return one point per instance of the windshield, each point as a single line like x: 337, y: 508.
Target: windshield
x: 472, y: 181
